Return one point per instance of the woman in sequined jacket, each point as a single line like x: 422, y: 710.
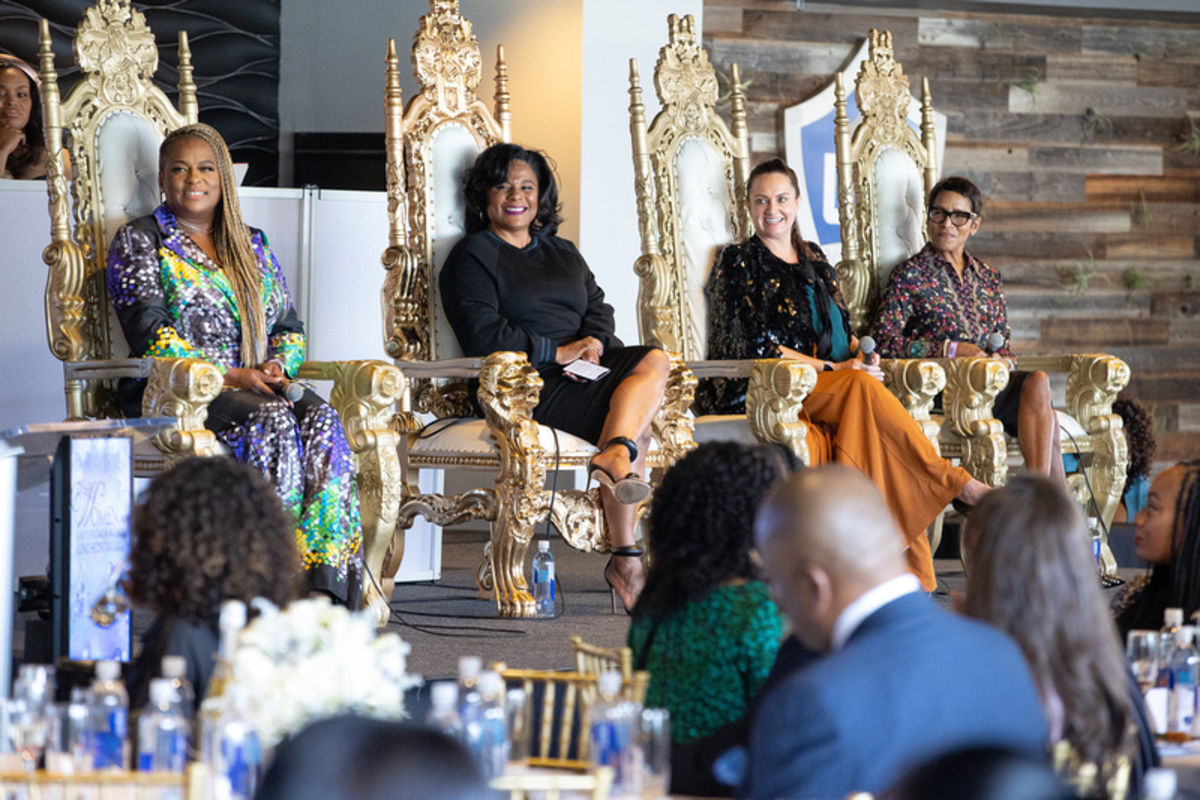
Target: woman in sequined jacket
x: 193, y: 280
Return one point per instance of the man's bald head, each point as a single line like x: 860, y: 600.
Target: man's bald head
x: 833, y: 521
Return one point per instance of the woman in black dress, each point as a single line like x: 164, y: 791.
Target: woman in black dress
x: 511, y: 284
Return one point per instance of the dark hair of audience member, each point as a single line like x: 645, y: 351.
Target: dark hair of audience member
x: 958, y: 185
x: 33, y: 152
x: 780, y: 167
x: 1030, y: 572
x: 982, y: 773
x: 208, y: 530
x: 491, y: 169
x: 354, y: 758
x: 1138, y: 424
x: 701, y: 522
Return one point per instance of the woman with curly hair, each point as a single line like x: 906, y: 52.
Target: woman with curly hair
x: 1168, y: 539
x: 1030, y: 573
x: 705, y: 625
x: 512, y: 284
x: 208, y: 530
x: 1138, y: 425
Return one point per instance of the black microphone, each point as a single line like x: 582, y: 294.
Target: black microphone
x: 995, y: 341
x: 866, y: 346
x: 292, y: 390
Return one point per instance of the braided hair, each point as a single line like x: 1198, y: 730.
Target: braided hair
x: 231, y: 238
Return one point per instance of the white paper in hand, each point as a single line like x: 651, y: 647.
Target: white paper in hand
x: 586, y: 370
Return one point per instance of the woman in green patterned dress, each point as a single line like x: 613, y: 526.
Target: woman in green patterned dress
x: 705, y: 625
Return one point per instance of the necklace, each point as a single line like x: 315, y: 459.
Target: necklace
x: 194, y: 228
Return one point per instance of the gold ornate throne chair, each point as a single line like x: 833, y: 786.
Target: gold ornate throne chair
x: 429, y: 145
x: 690, y: 179
x: 115, y: 118
x: 885, y: 172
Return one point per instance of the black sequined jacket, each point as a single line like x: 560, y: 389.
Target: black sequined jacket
x: 757, y: 302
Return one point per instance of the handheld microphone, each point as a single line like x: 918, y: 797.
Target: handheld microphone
x: 866, y: 346
x: 995, y: 341
x: 293, y: 391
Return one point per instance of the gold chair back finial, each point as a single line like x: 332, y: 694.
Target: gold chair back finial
x: 877, y: 222
x: 690, y: 170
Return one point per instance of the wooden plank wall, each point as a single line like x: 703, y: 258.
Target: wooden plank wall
x: 1072, y: 128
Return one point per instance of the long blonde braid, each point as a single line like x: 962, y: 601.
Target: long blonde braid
x: 231, y: 238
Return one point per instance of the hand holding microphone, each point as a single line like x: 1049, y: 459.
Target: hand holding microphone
x: 995, y: 341
x: 866, y: 347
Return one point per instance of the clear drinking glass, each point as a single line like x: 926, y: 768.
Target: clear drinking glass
x: 66, y: 742
x: 1143, y: 649
x: 654, y: 736
x: 27, y: 727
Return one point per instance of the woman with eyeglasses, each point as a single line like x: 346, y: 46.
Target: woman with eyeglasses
x: 776, y: 296
x: 944, y: 302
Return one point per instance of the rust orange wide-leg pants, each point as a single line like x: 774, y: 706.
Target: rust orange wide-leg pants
x: 859, y: 423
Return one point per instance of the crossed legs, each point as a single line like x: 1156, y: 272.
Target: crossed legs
x: 1037, y: 429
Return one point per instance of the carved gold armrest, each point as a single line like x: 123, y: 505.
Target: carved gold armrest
x: 673, y: 426
x: 365, y: 395
x: 657, y: 320
x: 776, y: 391
x: 182, y: 388
x: 971, y: 387
x: 916, y: 383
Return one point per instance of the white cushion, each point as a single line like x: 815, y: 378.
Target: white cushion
x: 453, y: 151
x: 705, y: 226
x: 723, y: 428
x: 899, y: 209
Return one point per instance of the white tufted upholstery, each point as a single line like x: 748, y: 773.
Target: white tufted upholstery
x: 899, y: 210
x: 453, y: 151
x: 723, y: 428
x: 705, y: 226
x: 469, y: 438
x: 127, y: 156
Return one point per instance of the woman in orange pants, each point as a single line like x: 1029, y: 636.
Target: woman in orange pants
x: 776, y: 296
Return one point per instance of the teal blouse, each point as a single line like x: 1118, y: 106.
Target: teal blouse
x: 839, y: 341
x: 708, y: 659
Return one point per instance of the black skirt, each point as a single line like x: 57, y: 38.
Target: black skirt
x: 580, y: 408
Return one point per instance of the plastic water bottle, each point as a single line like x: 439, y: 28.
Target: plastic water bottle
x: 162, y: 731
x: 543, y: 580
x: 229, y: 624
x: 443, y: 715
x: 174, y: 668
x: 486, y: 727
x: 1159, y: 783
x: 613, y: 743
x: 469, y: 668
x: 1183, y: 670
x: 1094, y: 530
x: 238, y: 752
x: 108, y: 718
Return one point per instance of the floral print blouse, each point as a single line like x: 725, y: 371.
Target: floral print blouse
x: 927, y: 304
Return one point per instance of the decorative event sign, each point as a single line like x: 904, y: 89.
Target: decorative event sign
x: 101, y: 473
x: 809, y: 149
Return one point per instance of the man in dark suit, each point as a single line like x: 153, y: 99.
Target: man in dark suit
x: 901, y: 681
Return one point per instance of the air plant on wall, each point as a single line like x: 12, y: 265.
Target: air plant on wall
x: 1081, y: 275
x: 1094, y: 124
x: 1133, y: 280
x: 1031, y: 81
x: 1189, y: 140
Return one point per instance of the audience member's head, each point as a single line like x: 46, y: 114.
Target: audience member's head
x: 1030, y: 572
x: 21, y: 114
x: 1138, y: 425
x: 353, y: 758
x: 701, y: 521
x: 982, y: 774
x: 1168, y: 538
x: 490, y: 170
x: 208, y: 530
x: 826, y: 536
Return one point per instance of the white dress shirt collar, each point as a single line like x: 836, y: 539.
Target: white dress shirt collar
x: 867, y: 604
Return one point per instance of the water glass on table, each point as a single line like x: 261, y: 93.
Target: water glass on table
x: 654, y: 736
x: 28, y: 712
x: 1144, y: 650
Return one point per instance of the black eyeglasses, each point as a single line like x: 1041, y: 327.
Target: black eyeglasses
x: 937, y: 215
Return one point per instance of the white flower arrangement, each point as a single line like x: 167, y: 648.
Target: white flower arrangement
x: 315, y: 660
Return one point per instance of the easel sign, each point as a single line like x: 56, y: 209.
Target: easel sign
x: 91, y: 497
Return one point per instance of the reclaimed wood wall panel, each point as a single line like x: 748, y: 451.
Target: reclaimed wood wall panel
x: 1073, y: 128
